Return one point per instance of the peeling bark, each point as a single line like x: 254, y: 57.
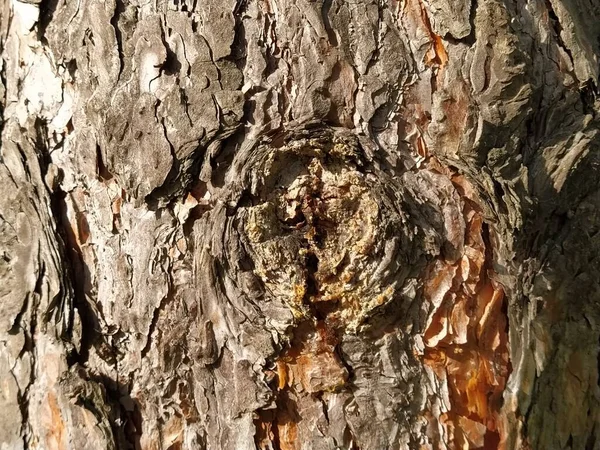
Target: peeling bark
x: 300, y: 225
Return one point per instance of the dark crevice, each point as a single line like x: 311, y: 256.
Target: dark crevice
x: 185, y: 102
x: 557, y: 27
x: 240, y: 7
x: 598, y: 361
x: 47, y: 10
x: 286, y: 412
x: 349, y: 439
x: 172, y: 65
x: 340, y: 354
x: 71, y: 67
x: 16, y: 325
x: 155, y: 316
x: 3, y: 101
x: 24, y: 159
x: 22, y: 394
x: 247, y: 199
x: 471, y: 38
x: 319, y: 396
x: 116, y: 404
x: 569, y: 442
x: 487, y: 63
x: 41, y: 145
x: 266, y: 416
x: 380, y: 119
x: 591, y: 440
x: 319, y: 310
x: 325, y: 8
x: 74, y: 274
x: 239, y: 45
x: 114, y: 21
x: 197, y: 190
x: 102, y: 171
x: 272, y: 58
x: 491, y: 440
x: 485, y: 236
x: 23, y: 402
x: 222, y: 157
x: 29, y: 335
x: 78, y: 274
x: 589, y: 93
x: 499, y: 195
x: 169, y: 188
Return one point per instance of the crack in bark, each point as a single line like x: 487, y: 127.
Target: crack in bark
x: 557, y: 28
x: 155, y: 317
x: 114, y: 21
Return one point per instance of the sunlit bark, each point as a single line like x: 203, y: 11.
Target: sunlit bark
x: 300, y: 224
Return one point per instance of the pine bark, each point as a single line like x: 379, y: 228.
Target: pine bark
x: 308, y: 224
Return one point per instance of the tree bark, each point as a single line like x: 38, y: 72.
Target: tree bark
x: 308, y: 224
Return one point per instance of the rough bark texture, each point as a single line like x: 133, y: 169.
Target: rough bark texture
x: 296, y: 224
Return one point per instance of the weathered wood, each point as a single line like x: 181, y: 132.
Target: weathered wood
x: 300, y: 224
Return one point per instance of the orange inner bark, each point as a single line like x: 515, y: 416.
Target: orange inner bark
x: 466, y: 340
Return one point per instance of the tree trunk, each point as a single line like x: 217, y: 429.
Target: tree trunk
x: 300, y: 224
